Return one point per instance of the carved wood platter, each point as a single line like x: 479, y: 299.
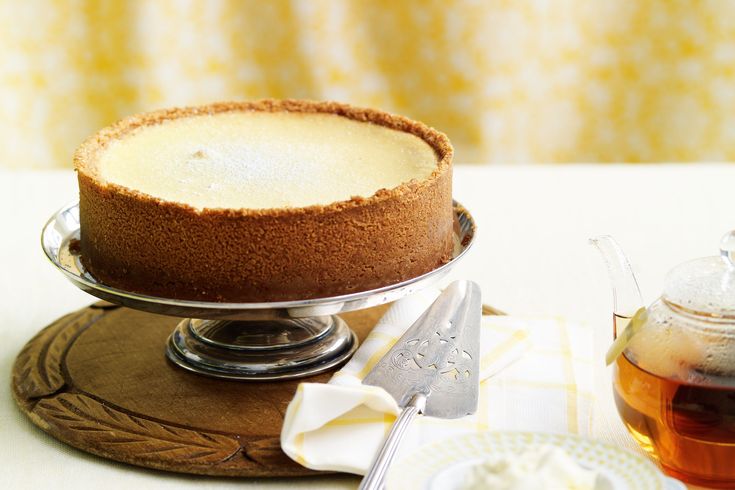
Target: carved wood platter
x: 98, y: 379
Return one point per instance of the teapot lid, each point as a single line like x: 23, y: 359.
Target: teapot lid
x: 705, y: 286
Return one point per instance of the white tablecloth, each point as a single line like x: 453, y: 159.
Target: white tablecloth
x: 531, y: 257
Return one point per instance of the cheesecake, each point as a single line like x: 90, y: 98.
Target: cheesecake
x: 264, y: 201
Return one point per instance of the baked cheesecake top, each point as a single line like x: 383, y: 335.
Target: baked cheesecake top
x: 260, y: 159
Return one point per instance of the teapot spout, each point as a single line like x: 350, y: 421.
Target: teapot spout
x: 626, y: 293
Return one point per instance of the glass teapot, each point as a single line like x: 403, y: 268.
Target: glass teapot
x: 674, y: 373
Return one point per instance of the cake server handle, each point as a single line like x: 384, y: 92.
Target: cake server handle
x: 373, y: 479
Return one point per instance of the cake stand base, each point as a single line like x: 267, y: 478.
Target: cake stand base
x: 97, y: 379
x: 260, y: 350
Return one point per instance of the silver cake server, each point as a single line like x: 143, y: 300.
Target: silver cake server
x: 433, y: 369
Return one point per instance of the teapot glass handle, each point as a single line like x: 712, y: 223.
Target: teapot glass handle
x: 727, y: 248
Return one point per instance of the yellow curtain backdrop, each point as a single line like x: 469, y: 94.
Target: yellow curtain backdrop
x: 509, y: 81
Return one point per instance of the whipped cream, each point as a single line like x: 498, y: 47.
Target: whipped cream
x: 543, y: 467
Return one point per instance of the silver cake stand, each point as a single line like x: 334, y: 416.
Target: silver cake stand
x: 248, y: 341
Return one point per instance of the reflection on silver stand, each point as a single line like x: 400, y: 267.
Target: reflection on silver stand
x: 248, y: 341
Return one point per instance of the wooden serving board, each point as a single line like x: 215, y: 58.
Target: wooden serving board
x: 98, y: 379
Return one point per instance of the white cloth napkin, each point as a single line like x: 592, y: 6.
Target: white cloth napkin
x: 545, y: 385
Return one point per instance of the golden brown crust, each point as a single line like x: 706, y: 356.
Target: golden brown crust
x: 135, y: 241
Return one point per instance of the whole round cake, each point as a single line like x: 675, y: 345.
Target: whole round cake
x: 264, y: 201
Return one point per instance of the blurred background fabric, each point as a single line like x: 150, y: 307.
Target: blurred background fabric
x: 508, y: 81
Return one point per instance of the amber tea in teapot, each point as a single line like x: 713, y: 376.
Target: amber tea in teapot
x: 674, y: 373
x: 689, y: 428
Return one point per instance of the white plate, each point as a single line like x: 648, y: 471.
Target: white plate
x: 443, y: 464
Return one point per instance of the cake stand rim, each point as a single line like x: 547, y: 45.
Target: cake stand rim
x: 77, y: 275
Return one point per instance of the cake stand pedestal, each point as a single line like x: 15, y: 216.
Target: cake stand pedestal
x: 248, y: 341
